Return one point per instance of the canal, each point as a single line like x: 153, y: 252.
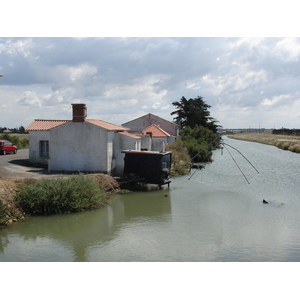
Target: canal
x: 216, y: 214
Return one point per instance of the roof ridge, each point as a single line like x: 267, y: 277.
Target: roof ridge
x: 52, y: 120
x: 158, y: 128
x: 152, y: 115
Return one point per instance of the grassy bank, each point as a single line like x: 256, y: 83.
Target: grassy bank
x: 23, y: 197
x: 285, y: 142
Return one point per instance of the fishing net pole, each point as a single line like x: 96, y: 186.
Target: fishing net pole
x: 236, y: 164
x: 241, y: 154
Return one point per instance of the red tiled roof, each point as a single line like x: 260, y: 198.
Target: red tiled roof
x: 106, y: 125
x: 156, y: 131
x: 40, y: 125
x: 45, y: 124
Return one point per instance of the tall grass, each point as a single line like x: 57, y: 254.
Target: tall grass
x: 61, y: 195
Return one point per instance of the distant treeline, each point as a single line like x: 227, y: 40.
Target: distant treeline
x: 285, y: 131
x: 21, y: 129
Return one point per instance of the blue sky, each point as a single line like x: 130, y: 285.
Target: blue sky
x: 249, y: 82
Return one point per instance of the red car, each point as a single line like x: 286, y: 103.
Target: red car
x: 7, y: 147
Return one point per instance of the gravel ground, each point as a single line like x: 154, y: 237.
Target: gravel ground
x: 17, y: 166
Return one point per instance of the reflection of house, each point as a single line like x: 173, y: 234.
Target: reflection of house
x: 80, y: 144
x: 145, y: 121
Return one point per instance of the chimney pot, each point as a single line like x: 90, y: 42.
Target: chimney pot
x: 79, y: 112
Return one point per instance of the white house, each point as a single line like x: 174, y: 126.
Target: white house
x: 145, y: 121
x: 80, y: 144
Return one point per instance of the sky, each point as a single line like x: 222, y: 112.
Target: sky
x: 249, y: 82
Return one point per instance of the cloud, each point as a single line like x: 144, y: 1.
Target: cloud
x: 240, y: 78
x: 29, y: 99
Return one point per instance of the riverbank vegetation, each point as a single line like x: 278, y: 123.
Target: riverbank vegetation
x: 284, y: 142
x: 3, y: 210
x: 60, y: 195
x: 23, y: 197
x: 180, y: 158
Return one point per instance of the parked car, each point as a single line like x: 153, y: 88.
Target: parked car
x: 7, y: 147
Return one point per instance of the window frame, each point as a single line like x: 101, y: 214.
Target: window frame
x: 44, y: 148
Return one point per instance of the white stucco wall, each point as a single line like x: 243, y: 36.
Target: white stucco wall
x: 158, y: 144
x: 123, y: 142
x: 79, y: 146
x: 34, y: 146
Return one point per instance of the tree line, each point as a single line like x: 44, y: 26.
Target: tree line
x: 286, y: 131
x: 20, y: 129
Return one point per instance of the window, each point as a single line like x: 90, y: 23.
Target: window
x: 44, y: 148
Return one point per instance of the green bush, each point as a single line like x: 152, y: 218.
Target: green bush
x: 3, y: 210
x: 58, y: 196
x: 196, y: 139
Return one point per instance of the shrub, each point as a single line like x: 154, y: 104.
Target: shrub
x: 197, y: 139
x: 3, y: 210
x: 180, y: 158
x: 58, y: 196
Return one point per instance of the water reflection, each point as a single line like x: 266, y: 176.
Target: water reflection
x: 77, y: 233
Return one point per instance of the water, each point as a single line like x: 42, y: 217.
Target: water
x: 212, y: 216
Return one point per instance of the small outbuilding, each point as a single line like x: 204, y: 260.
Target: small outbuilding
x: 154, y: 167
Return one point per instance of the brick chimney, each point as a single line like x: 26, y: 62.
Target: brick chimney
x: 79, y: 112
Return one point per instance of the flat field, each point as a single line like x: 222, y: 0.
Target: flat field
x: 285, y: 142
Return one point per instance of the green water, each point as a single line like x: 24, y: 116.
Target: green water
x: 215, y: 215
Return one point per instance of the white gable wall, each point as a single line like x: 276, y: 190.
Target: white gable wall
x: 34, y: 146
x: 80, y: 146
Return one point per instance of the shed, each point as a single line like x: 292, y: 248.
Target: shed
x: 153, y: 166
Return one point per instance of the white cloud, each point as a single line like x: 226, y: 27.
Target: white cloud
x: 30, y: 99
x: 288, y: 49
x: 156, y: 105
x: 79, y: 72
x: 278, y: 99
x: 243, y: 79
